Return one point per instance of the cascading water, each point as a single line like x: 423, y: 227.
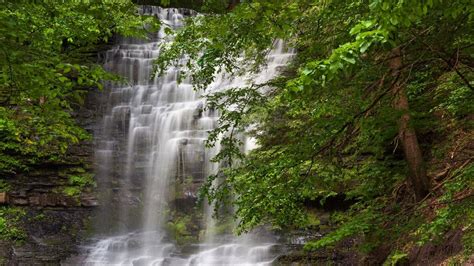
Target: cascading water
x: 152, y: 159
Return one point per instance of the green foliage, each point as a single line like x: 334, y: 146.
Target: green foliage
x: 72, y: 191
x: 328, y: 126
x: 78, y: 182
x: 454, y: 98
x: 179, y: 229
x: 396, y: 258
x: 222, y: 227
x: 468, y: 241
x: 47, y: 66
x: 40, y: 217
x: 456, y: 211
x: 214, y: 41
x: 360, y: 222
x: 9, y: 227
x: 313, y: 221
x: 4, y: 186
x: 82, y: 180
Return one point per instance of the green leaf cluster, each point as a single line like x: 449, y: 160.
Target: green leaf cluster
x: 47, y: 65
x: 79, y: 182
x: 327, y: 125
x: 9, y: 228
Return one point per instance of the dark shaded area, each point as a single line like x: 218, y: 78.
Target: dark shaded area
x: 54, y: 223
x: 342, y: 254
x: 437, y: 253
x: 338, y: 202
x: 53, y: 235
x: 184, y: 205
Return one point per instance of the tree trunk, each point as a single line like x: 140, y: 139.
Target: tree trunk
x: 232, y: 4
x: 407, y: 135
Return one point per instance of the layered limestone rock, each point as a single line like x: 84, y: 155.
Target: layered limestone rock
x: 54, y: 212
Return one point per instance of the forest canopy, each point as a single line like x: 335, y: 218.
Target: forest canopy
x: 377, y: 108
x: 48, y: 64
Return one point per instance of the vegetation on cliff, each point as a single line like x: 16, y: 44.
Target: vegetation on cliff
x: 47, y: 64
x: 376, y: 107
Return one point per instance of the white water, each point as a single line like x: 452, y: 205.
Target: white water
x: 152, y: 138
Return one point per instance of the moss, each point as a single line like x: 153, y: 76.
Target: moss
x: 82, y: 180
x: 4, y: 186
x: 397, y: 258
x: 72, y: 191
x: 313, y: 221
x: 179, y: 230
x: 78, y: 182
x: 39, y: 217
x: 222, y: 227
x: 182, y: 228
x: 88, y: 227
x: 9, y: 224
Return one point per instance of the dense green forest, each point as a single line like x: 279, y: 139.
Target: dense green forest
x: 48, y: 64
x: 376, y: 109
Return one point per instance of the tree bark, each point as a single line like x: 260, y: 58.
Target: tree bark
x: 232, y: 4
x: 407, y: 135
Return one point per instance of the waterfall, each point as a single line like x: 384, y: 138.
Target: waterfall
x: 151, y: 160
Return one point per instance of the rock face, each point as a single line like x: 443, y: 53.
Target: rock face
x: 53, y: 220
x: 52, y: 235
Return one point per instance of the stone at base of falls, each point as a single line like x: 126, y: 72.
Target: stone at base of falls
x: 89, y: 201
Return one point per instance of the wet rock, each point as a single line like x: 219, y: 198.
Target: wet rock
x: 19, y: 201
x: 89, y: 201
x: 146, y: 109
x: 115, y: 98
x: 34, y: 200
x: 198, y: 112
x: 54, y: 223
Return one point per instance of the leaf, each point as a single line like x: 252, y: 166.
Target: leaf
x: 347, y: 59
x: 364, y: 46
